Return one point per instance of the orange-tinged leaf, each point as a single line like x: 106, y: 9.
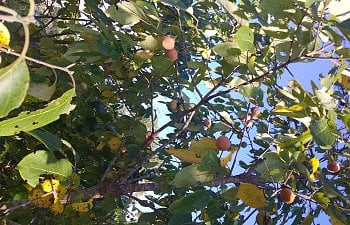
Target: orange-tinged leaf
x: 251, y: 195
x: 345, y: 79
x: 185, y: 155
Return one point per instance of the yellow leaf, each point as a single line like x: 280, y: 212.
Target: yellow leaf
x: 49, y: 185
x: 294, y: 108
x: 57, y: 208
x: 197, y: 149
x: 315, y: 163
x: 107, y: 94
x: 345, y: 79
x: 226, y: 159
x: 83, y: 206
x: 114, y: 143
x: 251, y: 195
x: 185, y: 155
x: 40, y: 198
x: 204, y: 145
x: 5, y: 35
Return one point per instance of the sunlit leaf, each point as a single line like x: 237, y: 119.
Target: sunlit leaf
x: 27, y: 121
x: 185, y: 155
x: 293, y: 108
x: 5, y: 35
x: 42, y: 162
x: 245, y: 38
x: 315, y: 163
x: 197, y: 149
x: 326, y: 100
x: 251, y: 195
x: 14, y: 82
x: 340, y: 9
x: 125, y: 13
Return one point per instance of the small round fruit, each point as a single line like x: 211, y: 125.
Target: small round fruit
x: 207, y: 123
x: 223, y: 143
x: 148, y: 134
x: 333, y: 167
x: 168, y: 43
x: 173, y: 105
x: 287, y: 195
x: 254, y: 112
x: 106, y: 68
x: 172, y: 54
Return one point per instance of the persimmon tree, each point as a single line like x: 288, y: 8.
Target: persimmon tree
x: 173, y: 112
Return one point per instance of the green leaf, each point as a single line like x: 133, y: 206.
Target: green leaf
x: 308, y: 3
x: 42, y: 162
x: 180, y: 219
x: 346, y: 120
x: 321, y: 198
x: 322, y: 133
x: 343, y: 52
x: 278, y: 9
x: 150, y: 43
x: 42, y: 91
x: 162, y: 66
x: 308, y: 219
x: 191, y: 202
x: 14, y: 82
x: 272, y: 168
x: 125, y: 13
x: 245, y: 38
x: 230, y: 194
x: 227, y: 49
x: 189, y: 175
x: 210, y: 162
x: 52, y: 142
x: 27, y: 121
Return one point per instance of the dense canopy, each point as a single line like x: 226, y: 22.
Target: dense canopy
x: 174, y: 112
